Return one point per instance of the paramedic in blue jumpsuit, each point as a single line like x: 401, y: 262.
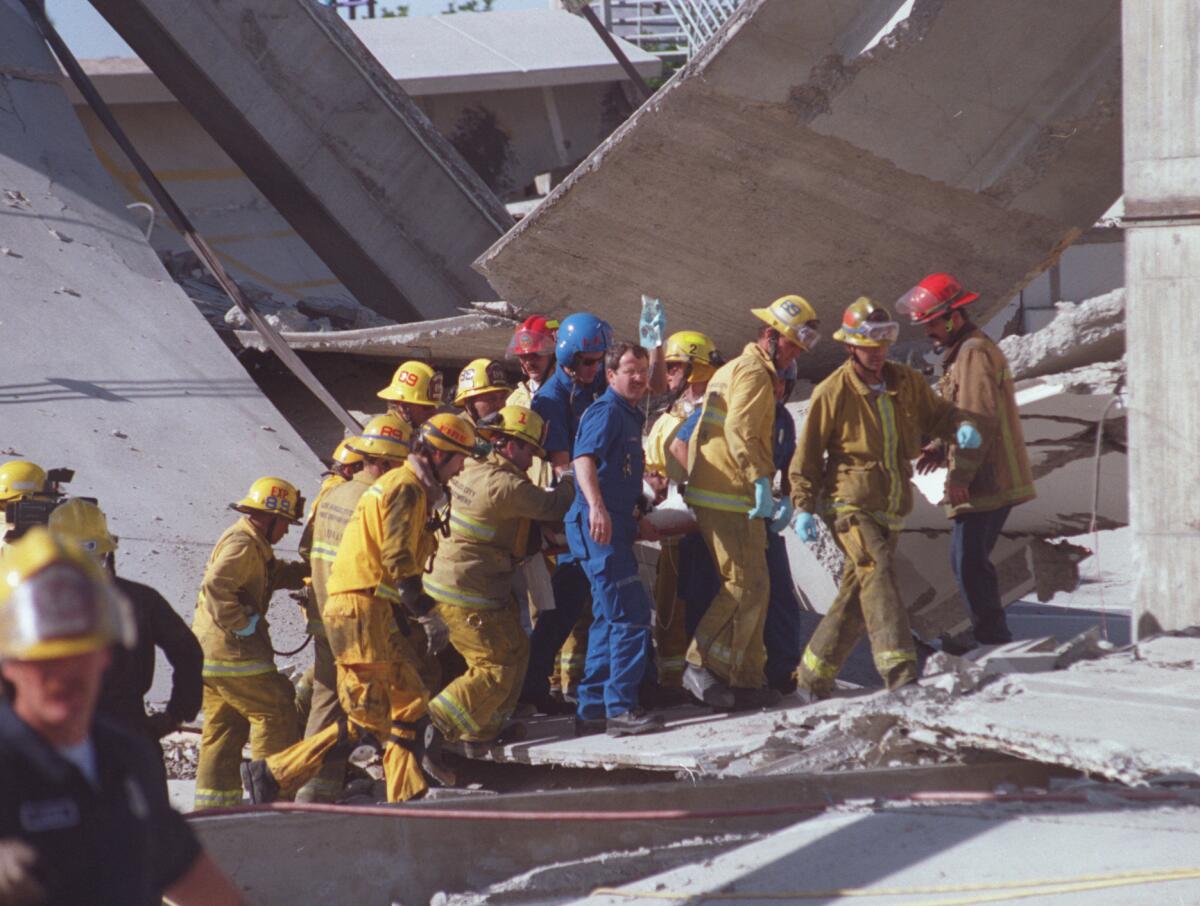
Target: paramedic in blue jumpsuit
x: 561, y: 401
x: 602, y: 525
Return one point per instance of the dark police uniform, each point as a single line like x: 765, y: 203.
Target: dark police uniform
x: 121, y: 844
x: 611, y: 433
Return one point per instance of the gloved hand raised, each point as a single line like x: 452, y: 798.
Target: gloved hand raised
x: 653, y: 324
x: 764, y: 503
x: 436, y: 631
x: 968, y: 437
x: 805, y: 526
x: 248, y: 630
x: 782, y: 516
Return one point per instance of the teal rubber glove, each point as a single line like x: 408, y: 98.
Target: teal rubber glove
x: 653, y: 325
x: 248, y: 630
x: 782, y: 516
x: 764, y: 502
x: 968, y: 437
x: 806, y: 527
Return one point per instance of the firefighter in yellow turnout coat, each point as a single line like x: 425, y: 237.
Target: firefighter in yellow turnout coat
x: 730, y: 467
x: 385, y: 442
x: 493, y: 515
x: 245, y: 697
x: 853, y: 466
x: 692, y: 359
x: 377, y: 568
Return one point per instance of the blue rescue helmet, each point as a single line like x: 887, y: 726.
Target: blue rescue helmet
x: 582, y: 333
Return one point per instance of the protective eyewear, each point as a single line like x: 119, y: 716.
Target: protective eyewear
x: 876, y: 331
x: 808, y: 337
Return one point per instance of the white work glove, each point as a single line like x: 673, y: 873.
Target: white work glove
x: 437, y: 632
x: 18, y: 884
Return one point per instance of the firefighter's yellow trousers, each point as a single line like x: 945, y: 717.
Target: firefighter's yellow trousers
x: 868, y: 599
x: 260, y: 708
x: 382, y: 699
x: 476, y: 705
x: 324, y: 711
x: 729, y: 638
x: 670, y: 623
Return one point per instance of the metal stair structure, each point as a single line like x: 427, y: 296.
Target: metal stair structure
x: 672, y: 29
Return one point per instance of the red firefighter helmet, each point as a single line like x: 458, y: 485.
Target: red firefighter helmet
x: 935, y: 296
x: 534, y: 336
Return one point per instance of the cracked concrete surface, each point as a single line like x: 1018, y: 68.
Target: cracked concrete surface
x: 802, y: 152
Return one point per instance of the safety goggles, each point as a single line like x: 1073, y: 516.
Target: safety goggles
x: 589, y: 361
x: 808, y: 337
x: 875, y: 331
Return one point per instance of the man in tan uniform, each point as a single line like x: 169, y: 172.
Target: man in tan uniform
x: 494, y: 514
x: 982, y: 485
x: 853, y: 467
x: 245, y: 696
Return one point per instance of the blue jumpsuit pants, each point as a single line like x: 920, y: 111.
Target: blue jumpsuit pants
x: 620, y: 637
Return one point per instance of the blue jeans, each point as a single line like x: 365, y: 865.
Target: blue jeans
x: 620, y: 637
x: 571, y: 593
x: 974, y: 536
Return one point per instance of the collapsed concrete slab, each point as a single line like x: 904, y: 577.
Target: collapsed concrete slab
x: 1126, y: 716
x: 484, y: 333
x: 109, y: 369
x: 553, y: 846
x: 836, y: 150
x: 336, y: 146
x: 1077, y: 853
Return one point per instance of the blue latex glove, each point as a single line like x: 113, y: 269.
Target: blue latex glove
x: 248, y: 630
x: 782, y: 516
x: 968, y: 437
x: 806, y: 527
x: 764, y: 502
x: 653, y: 325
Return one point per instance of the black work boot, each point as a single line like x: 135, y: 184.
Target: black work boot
x: 707, y: 688
x: 633, y: 723
x: 754, y: 699
x: 431, y: 740
x: 589, y: 726
x: 259, y: 784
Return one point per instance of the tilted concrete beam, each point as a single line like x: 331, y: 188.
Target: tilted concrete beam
x: 837, y: 149
x: 330, y: 139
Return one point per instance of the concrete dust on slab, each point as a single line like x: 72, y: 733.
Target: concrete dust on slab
x: 1113, y: 853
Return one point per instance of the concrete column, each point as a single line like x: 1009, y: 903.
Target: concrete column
x: 1162, y: 271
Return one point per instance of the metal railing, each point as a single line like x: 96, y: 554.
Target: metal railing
x: 668, y: 28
